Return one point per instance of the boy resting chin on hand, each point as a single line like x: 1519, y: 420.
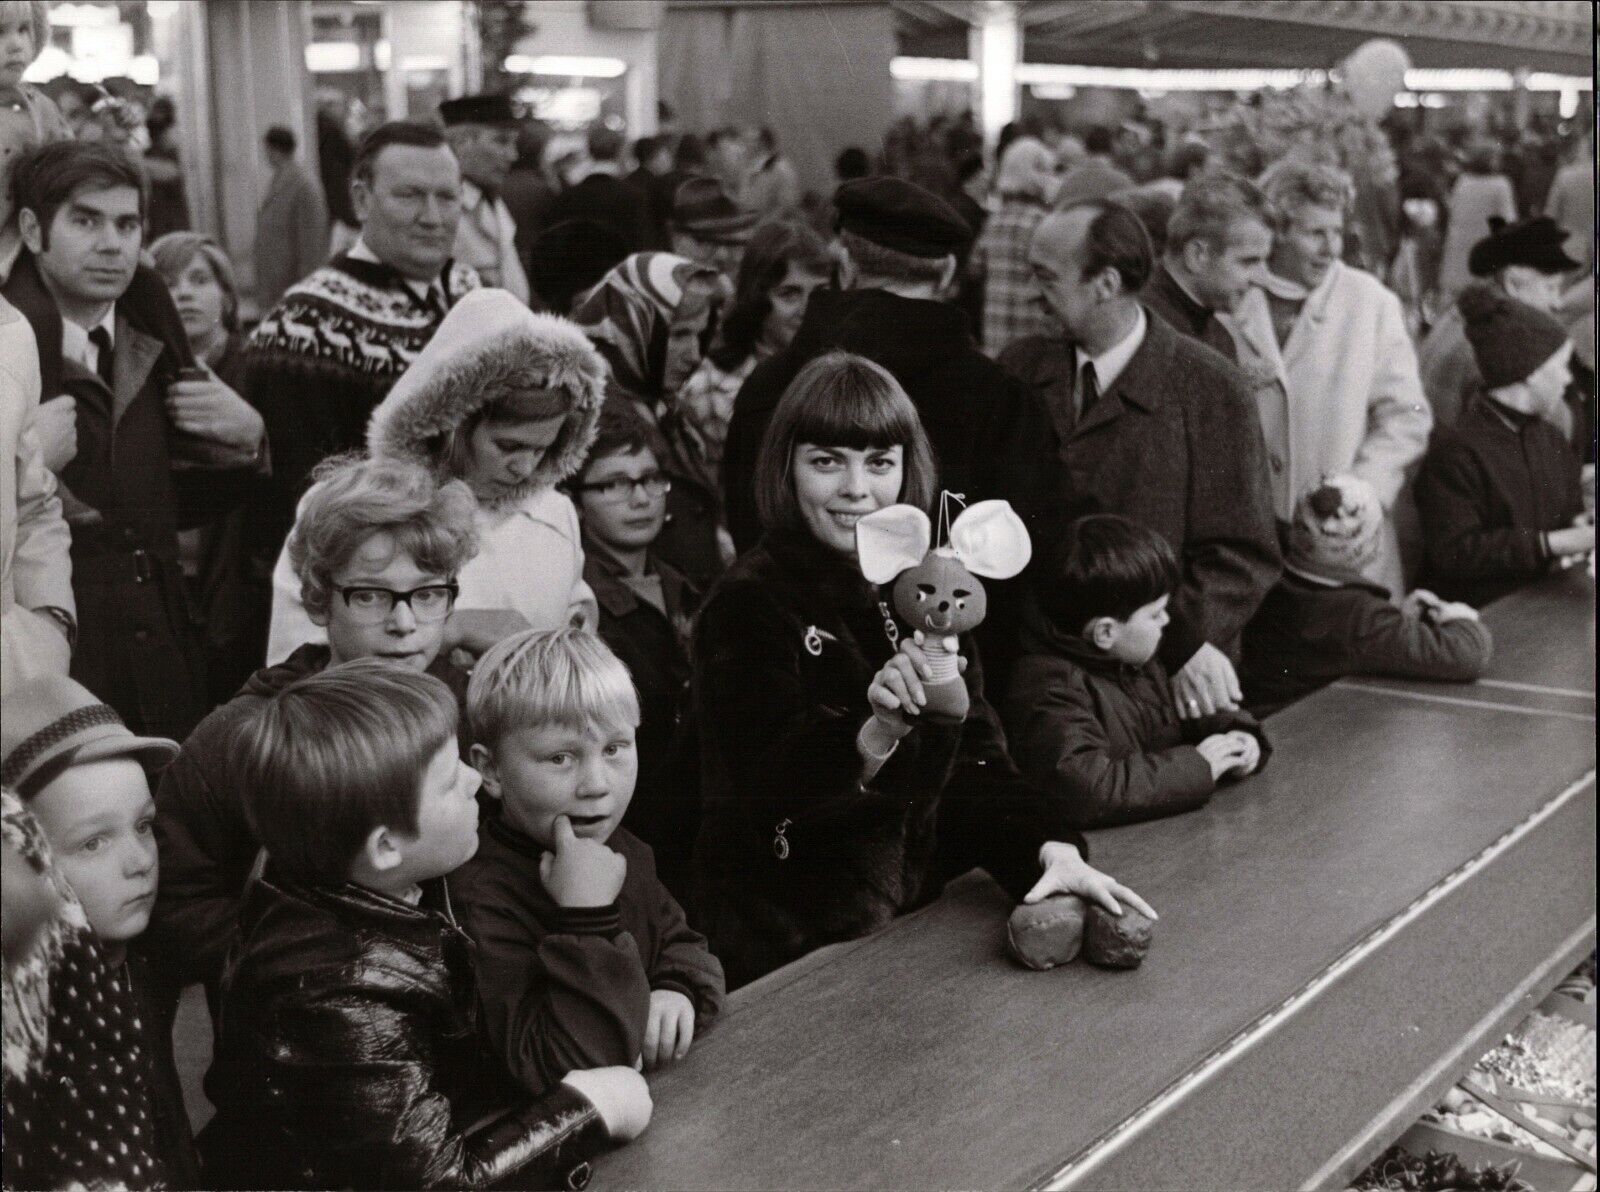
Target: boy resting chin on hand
x: 584, y: 957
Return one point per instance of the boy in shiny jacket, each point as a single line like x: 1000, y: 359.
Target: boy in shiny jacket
x: 347, y: 1052
x: 585, y: 958
x: 1090, y: 711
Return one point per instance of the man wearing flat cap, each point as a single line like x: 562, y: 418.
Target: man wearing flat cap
x: 897, y: 246
x: 482, y: 130
x: 1527, y: 261
x: 708, y: 226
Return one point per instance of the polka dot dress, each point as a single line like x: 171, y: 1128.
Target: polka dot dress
x: 77, y: 1110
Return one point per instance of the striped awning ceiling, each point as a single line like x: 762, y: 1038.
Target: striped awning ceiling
x: 1541, y: 35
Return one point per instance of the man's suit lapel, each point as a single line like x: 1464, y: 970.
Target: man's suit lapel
x: 133, y: 356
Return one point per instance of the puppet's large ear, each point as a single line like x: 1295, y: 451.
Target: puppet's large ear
x: 890, y: 540
x: 991, y: 540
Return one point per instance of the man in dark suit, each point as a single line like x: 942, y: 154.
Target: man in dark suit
x: 1218, y: 239
x: 111, y: 343
x: 1151, y: 425
x: 603, y: 196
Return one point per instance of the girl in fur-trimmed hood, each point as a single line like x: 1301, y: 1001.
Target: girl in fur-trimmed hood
x: 507, y: 401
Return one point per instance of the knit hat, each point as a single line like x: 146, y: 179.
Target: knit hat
x: 703, y: 208
x: 491, y: 348
x: 1335, y: 526
x: 1535, y: 243
x: 51, y: 723
x: 1510, y: 339
x: 901, y: 216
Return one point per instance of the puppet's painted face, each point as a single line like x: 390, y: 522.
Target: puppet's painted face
x: 939, y: 595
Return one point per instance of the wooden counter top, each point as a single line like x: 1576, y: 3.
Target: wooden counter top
x: 1401, y: 881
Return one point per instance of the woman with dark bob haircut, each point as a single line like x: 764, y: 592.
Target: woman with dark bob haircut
x: 828, y: 808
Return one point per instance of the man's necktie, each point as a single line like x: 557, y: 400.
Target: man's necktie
x: 1088, y: 389
x: 101, y: 339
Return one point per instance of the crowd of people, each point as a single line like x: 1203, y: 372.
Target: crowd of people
x: 466, y: 673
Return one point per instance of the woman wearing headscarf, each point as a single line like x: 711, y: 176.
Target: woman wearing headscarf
x: 652, y: 318
x: 507, y: 401
x: 1011, y: 307
x: 783, y: 263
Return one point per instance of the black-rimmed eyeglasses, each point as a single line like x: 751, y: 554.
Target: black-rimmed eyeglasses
x: 431, y: 602
x: 620, y: 488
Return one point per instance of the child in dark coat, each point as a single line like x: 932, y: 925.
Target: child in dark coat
x: 1089, y: 711
x: 1499, y: 492
x: 348, y: 1054
x: 1324, y: 620
x: 585, y: 958
x: 645, y: 608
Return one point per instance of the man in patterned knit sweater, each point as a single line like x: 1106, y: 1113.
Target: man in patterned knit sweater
x: 328, y: 352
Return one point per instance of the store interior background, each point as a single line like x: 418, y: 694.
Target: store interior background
x: 822, y: 75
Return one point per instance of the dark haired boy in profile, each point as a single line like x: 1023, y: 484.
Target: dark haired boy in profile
x: 348, y: 1054
x: 1089, y: 710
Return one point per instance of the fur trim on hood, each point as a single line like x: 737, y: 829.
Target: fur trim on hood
x: 488, y: 348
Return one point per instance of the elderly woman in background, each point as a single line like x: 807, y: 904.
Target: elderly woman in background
x: 507, y: 401
x: 228, y: 569
x: 652, y: 318
x: 1026, y: 184
x: 1340, y: 389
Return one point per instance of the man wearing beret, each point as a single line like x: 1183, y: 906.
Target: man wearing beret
x: 897, y: 246
x: 482, y: 130
x: 1525, y: 261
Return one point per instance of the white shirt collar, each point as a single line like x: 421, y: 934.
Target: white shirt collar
x: 1109, y: 365
x: 360, y: 252
x: 75, y: 342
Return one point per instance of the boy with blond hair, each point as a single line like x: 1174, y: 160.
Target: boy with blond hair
x: 584, y: 957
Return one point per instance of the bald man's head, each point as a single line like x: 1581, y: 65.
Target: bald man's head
x: 1090, y: 262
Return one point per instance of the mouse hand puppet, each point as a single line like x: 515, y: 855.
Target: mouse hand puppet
x: 936, y: 590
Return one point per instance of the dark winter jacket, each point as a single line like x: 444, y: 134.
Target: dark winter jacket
x: 138, y: 645
x: 1102, y: 736
x: 979, y: 420
x: 348, y: 1056
x: 569, y: 988
x: 1163, y: 296
x: 610, y: 201
x: 207, y: 847
x: 1174, y: 444
x: 665, y: 811
x: 1490, y: 488
x: 794, y: 852
x: 1307, y: 634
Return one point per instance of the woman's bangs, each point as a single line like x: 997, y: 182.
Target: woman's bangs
x: 857, y: 418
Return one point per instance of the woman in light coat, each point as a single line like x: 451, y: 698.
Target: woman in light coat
x: 1334, y: 371
x: 36, y: 605
x: 506, y: 400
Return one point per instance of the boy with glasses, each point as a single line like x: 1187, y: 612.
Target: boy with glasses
x: 645, y: 609
x: 377, y: 548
